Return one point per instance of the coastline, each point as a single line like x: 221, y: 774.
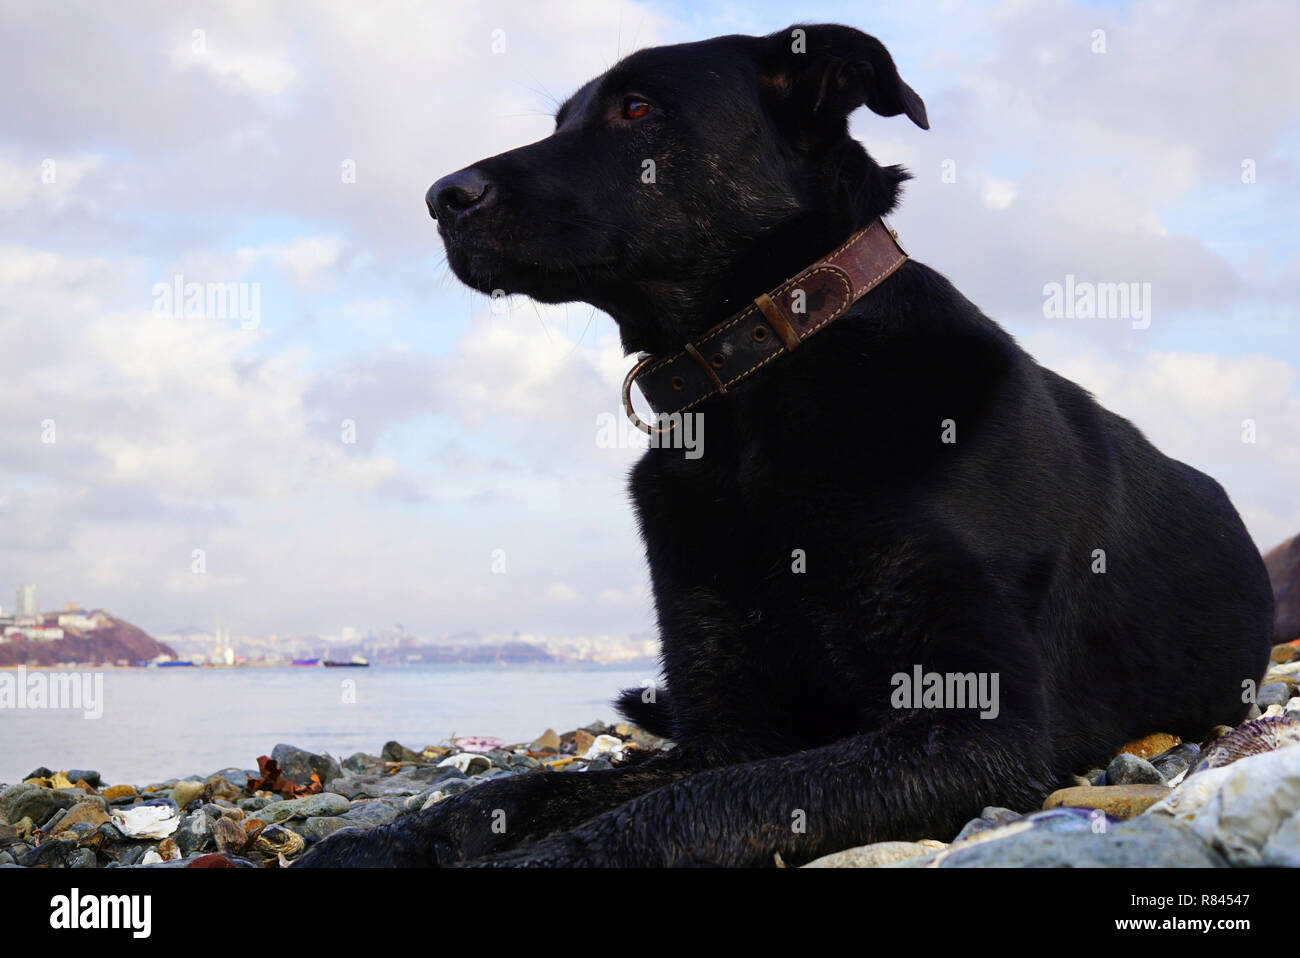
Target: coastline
x: 1232, y: 800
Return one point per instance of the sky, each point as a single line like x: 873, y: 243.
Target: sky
x: 367, y: 443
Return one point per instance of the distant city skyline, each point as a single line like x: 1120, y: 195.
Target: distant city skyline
x: 576, y: 648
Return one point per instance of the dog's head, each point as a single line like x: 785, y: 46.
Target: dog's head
x: 679, y: 178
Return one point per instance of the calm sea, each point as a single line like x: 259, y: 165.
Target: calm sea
x: 164, y: 723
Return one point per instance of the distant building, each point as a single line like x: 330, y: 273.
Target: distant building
x: 37, y: 633
x: 27, y: 603
x: 81, y: 621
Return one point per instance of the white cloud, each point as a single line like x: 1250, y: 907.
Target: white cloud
x: 560, y: 593
x: 1202, y: 409
x: 998, y: 194
x: 304, y: 256
x: 238, y: 58
x: 476, y: 429
x: 52, y: 182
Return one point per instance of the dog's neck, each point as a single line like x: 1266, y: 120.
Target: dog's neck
x: 662, y: 316
x: 774, y: 324
x: 658, y: 317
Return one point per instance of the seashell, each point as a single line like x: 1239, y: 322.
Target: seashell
x: 276, y: 840
x: 467, y: 760
x: 146, y: 821
x: 476, y: 743
x: 1253, y: 738
x: 605, y: 745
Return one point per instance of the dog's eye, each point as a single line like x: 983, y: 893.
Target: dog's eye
x: 634, y: 108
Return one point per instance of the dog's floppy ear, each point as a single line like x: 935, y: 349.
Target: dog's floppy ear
x: 826, y: 71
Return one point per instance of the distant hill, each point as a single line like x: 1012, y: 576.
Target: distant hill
x: 1284, y: 573
x: 117, y: 642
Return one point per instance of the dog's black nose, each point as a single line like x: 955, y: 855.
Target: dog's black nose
x: 456, y: 194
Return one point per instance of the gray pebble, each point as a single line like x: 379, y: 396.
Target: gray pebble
x: 1177, y: 760
x: 360, y: 762
x: 397, y: 752
x: 298, y: 765
x: 28, y: 801
x: 81, y: 830
x: 1127, y: 769
x: 111, y: 834
x: 194, y: 834
x: 131, y: 855
x: 52, y: 853
x: 433, y: 773
x: 82, y: 858
x: 314, y: 829
x: 54, y: 820
x: 372, y: 812
x: 1275, y: 693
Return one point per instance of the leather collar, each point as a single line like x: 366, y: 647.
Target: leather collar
x: 772, y: 325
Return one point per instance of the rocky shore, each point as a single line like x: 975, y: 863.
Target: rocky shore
x: 1233, y: 800
x: 266, y: 817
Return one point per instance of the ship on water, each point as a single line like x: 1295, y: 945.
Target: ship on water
x: 356, y: 662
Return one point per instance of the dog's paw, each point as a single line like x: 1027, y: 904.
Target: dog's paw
x: 387, y: 846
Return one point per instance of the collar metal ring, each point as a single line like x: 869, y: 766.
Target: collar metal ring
x: 637, y: 421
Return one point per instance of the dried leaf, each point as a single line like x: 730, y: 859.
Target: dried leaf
x: 270, y: 779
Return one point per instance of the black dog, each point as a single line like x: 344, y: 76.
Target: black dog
x: 907, y: 491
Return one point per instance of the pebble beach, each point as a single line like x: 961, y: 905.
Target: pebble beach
x: 1230, y: 801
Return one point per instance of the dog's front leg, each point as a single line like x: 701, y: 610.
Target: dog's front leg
x: 495, y: 816
x: 917, y: 778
